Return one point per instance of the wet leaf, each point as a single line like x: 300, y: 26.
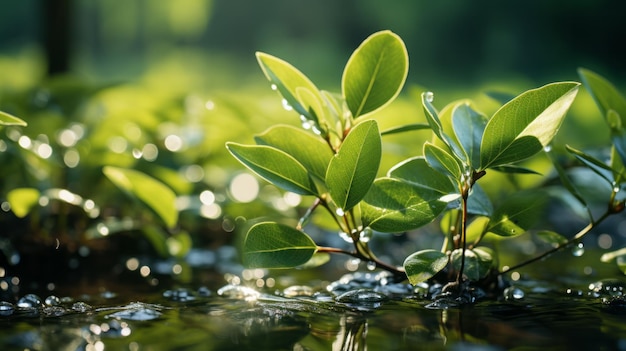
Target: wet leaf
x: 275, y: 166
x: 469, y: 126
x: 518, y: 213
x: 442, y: 161
x: 394, y: 206
x: 311, y: 151
x: 552, y: 238
x: 417, y: 172
x: 156, y: 195
x: 375, y: 73
x: 437, y: 125
x: 353, y: 169
x: 22, y: 200
x: 287, y: 79
x: 606, y: 96
x: 274, y: 245
x: 10, y: 120
x: 424, y: 264
x: 524, y: 125
x: 478, y: 262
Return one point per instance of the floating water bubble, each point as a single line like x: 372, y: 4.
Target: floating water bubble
x: 238, y: 292
x: 81, y: 307
x: 6, y: 308
x: 578, y: 250
x: 29, y: 301
x: 362, y: 298
x: 513, y: 293
x: 52, y: 300
x: 137, y: 311
x: 607, y: 287
x: 298, y: 290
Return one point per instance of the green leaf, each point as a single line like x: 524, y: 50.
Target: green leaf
x: 274, y: 245
x: 10, y: 120
x: 610, y: 256
x: 478, y: 202
x: 552, y: 238
x: 353, y: 169
x: 311, y: 151
x: 518, y: 213
x: 275, y: 166
x: 405, y: 128
x: 469, y: 126
x: 287, y: 79
x: 442, y: 161
x: 423, y: 265
x: 524, y: 125
x: 416, y: 171
x: 375, y: 73
x: 476, y: 229
x: 22, y: 200
x: 156, y: 195
x: 606, y: 96
x: 514, y: 169
x: 600, y: 168
x: 394, y: 206
x: 439, y: 126
x: 478, y: 262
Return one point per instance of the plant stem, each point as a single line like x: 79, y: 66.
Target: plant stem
x: 573, y: 240
x: 465, y: 196
x: 361, y: 256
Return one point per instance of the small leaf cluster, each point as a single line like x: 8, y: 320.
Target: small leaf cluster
x: 336, y: 155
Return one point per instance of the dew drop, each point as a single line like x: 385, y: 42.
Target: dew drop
x: 512, y: 293
x: 429, y: 96
x: 274, y: 87
x: 340, y: 212
x: 371, y: 265
x: 547, y: 148
x: 286, y: 105
x: 345, y: 237
x: 52, y: 300
x: 81, y: 306
x: 366, y: 235
x: 29, y: 301
x: 6, y: 308
x: 578, y: 250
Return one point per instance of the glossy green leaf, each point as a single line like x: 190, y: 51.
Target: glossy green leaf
x: 599, y: 167
x: 352, y: 170
x: 439, y: 126
x: 514, y: 169
x: 315, y: 105
x: 469, y: 126
x: 423, y: 265
x: 518, y: 213
x: 394, y: 206
x: 287, y: 79
x: 275, y: 166
x: 274, y: 245
x: 416, y: 171
x: 405, y: 128
x: 10, y: 120
x: 606, y: 96
x: 311, y: 151
x: 551, y: 237
x: 478, y: 202
x: 526, y: 124
x: 478, y: 262
x: 442, y: 161
x: 156, y: 195
x: 375, y: 73
x: 476, y: 229
x: 22, y: 200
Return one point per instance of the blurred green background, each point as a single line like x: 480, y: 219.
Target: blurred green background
x: 160, y: 86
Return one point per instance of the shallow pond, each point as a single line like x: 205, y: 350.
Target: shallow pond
x: 359, y: 311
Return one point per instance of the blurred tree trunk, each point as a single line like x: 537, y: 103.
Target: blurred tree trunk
x: 56, y: 26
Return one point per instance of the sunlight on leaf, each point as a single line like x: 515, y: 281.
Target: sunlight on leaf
x: 424, y: 264
x: 10, y: 120
x: 274, y: 245
x: 518, y: 213
x: 22, y: 200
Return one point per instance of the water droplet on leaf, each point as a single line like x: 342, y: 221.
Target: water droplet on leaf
x: 29, y: 301
x: 429, y: 96
x: 578, y: 250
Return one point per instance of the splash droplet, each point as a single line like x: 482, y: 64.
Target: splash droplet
x: 578, y: 250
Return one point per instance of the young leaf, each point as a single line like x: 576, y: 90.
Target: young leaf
x: 524, y: 125
x: 394, y: 206
x: 375, y: 73
x: 518, y: 213
x: 287, y: 79
x: 469, y: 126
x: 22, y: 200
x: 353, y: 169
x: 552, y: 238
x: 442, y: 161
x: 606, y: 96
x: 424, y: 264
x: 478, y: 262
x: 274, y: 245
x: 312, y: 103
x: 10, y: 120
x: 311, y: 151
x: 150, y: 191
x: 599, y: 167
x: 417, y: 172
x: 275, y: 166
